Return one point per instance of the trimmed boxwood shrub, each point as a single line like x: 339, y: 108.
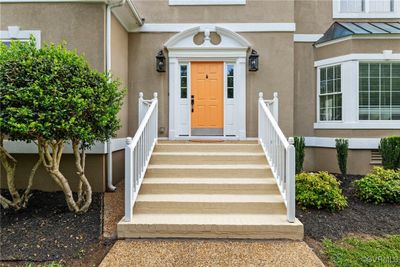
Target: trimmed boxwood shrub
x: 379, y: 186
x: 389, y: 148
x: 319, y: 190
x: 299, y: 145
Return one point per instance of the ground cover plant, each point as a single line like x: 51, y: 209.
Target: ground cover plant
x: 353, y: 251
x: 379, y: 186
x: 319, y: 190
x: 52, y: 97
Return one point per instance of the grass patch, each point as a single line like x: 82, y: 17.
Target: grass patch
x: 352, y: 251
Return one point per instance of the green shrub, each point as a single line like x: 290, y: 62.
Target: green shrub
x: 379, y: 186
x: 389, y: 148
x: 319, y: 190
x: 342, y: 149
x: 299, y: 145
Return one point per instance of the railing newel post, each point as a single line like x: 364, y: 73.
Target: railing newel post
x: 290, y: 181
x: 128, y: 180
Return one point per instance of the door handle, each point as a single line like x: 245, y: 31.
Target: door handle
x: 192, y: 102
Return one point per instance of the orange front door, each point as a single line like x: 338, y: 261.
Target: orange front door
x: 207, y: 98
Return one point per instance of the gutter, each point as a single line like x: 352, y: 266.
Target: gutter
x: 135, y: 12
x: 110, y: 6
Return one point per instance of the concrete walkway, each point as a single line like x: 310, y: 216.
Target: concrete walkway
x: 190, y: 253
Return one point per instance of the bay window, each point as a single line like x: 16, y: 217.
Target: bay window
x: 358, y: 91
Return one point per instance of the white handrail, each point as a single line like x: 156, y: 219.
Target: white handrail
x: 279, y: 152
x: 138, y: 152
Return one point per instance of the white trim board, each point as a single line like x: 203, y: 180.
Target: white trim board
x: 20, y: 147
x: 386, y: 55
x: 354, y: 143
x: 306, y: 38
x: 235, y: 27
x: 358, y: 125
x: 205, y: 2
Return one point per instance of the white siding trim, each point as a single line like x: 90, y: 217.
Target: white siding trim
x: 306, y: 38
x: 354, y: 143
x: 358, y: 125
x: 386, y: 55
x: 236, y: 27
x: 21, y: 147
x: 205, y: 2
x: 393, y: 36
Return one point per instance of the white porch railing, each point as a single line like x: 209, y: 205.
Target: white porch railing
x: 138, y: 151
x: 280, y: 152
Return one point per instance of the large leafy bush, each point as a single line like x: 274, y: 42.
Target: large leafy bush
x: 389, y: 148
x: 379, y: 186
x: 319, y: 190
x: 54, y: 97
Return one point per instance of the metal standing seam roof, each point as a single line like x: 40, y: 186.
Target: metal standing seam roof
x: 344, y: 29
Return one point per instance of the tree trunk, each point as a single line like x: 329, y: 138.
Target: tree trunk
x: 51, y: 161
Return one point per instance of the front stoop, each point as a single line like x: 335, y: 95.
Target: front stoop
x: 209, y: 190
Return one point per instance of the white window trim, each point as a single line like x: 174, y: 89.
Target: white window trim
x: 350, y: 104
x: 366, y: 14
x: 205, y: 2
x: 14, y: 33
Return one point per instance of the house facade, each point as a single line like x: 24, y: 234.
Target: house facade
x: 335, y: 66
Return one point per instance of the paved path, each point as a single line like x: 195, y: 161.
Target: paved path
x: 191, y: 253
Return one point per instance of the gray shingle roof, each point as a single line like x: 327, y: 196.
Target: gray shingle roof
x: 343, y: 29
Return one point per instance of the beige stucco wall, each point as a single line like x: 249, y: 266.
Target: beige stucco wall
x: 312, y: 16
x: 119, y: 68
x: 275, y: 74
x: 158, y: 11
x: 81, y: 25
x: 95, y: 172
x: 324, y: 159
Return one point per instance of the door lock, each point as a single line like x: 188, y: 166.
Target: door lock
x: 192, y: 102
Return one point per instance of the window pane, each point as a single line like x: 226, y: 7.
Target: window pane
x: 330, y: 73
x: 230, y: 80
x: 323, y: 74
x: 183, y: 81
x: 374, y: 70
x: 396, y: 70
x: 364, y: 69
x: 351, y: 6
x: 385, y: 70
x: 396, y: 84
x: 364, y: 84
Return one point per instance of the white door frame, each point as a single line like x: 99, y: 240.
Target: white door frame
x: 231, y: 50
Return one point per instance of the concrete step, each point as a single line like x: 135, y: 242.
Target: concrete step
x: 255, y: 226
x: 206, y: 171
x: 209, y: 185
x: 209, y: 203
x: 208, y: 147
x: 211, y: 158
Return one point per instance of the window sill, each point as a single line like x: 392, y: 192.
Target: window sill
x: 358, y: 125
x: 205, y: 2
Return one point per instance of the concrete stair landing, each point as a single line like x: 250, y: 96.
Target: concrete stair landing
x: 209, y: 190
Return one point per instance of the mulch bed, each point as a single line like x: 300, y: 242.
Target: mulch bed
x: 48, y: 231
x: 359, y: 218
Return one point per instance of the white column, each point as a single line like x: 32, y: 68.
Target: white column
x: 349, y: 88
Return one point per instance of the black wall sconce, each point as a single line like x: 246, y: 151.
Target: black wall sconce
x: 160, y: 61
x: 253, y: 61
